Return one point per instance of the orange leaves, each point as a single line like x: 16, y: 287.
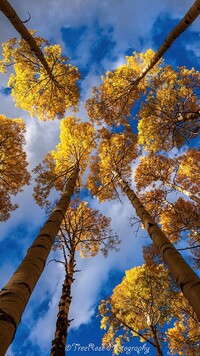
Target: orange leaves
x: 12, y: 155
x: 153, y: 168
x: 31, y: 86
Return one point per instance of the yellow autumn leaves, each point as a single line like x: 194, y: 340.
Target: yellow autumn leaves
x: 76, y: 143
x: 13, y: 165
x: 31, y: 87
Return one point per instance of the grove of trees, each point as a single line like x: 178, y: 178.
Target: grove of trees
x: 98, y: 156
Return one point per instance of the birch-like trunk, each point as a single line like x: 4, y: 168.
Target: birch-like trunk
x: 14, y: 19
x: 16, y: 293
x: 186, y: 21
x: 155, y: 340
x: 186, y: 278
x: 62, y: 322
x: 184, y: 191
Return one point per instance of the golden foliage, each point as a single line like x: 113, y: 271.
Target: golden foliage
x: 115, y: 154
x: 181, y: 216
x: 76, y: 142
x: 181, y: 173
x: 152, y: 169
x: 13, y: 164
x: 32, y: 88
x: 113, y: 99
x: 170, y: 115
x: 189, y: 170
x: 141, y: 301
x: 184, y: 336
x: 86, y: 230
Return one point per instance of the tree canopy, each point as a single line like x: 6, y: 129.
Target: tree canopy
x: 12, y: 155
x: 31, y: 87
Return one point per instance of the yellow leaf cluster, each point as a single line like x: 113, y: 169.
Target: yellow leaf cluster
x: 113, y: 100
x: 153, y: 168
x: 76, y: 142
x: 170, y: 114
x: 12, y: 155
x: 115, y: 154
x: 141, y: 301
x: 86, y: 230
x: 183, y: 216
x: 184, y: 336
x: 32, y: 88
x: 189, y: 170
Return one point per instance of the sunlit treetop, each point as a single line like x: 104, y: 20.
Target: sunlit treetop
x: 184, y: 335
x: 114, y: 155
x: 112, y: 101
x: 77, y: 139
x: 86, y: 230
x: 140, y: 304
x: 170, y: 116
x: 189, y: 170
x: 31, y: 87
x: 13, y: 164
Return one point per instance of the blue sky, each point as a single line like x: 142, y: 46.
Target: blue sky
x: 96, y: 35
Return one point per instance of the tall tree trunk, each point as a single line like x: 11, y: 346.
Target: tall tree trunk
x: 184, y: 191
x: 187, y: 280
x: 155, y: 340
x: 62, y: 322
x: 14, y: 19
x: 186, y: 21
x: 16, y: 293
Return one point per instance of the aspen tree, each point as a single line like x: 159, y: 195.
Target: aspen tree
x: 61, y: 169
x: 108, y: 172
x: 88, y: 232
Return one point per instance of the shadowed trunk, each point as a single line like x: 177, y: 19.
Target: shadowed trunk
x: 187, y: 280
x: 14, y: 19
x: 62, y: 322
x: 155, y: 340
x: 16, y: 293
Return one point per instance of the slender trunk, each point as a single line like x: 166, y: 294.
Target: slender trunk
x: 183, y: 213
x: 186, y: 21
x: 62, y: 322
x: 14, y: 19
x: 187, y: 280
x: 16, y: 293
x: 155, y: 340
x: 184, y: 191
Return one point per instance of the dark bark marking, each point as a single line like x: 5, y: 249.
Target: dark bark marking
x: 8, y: 318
